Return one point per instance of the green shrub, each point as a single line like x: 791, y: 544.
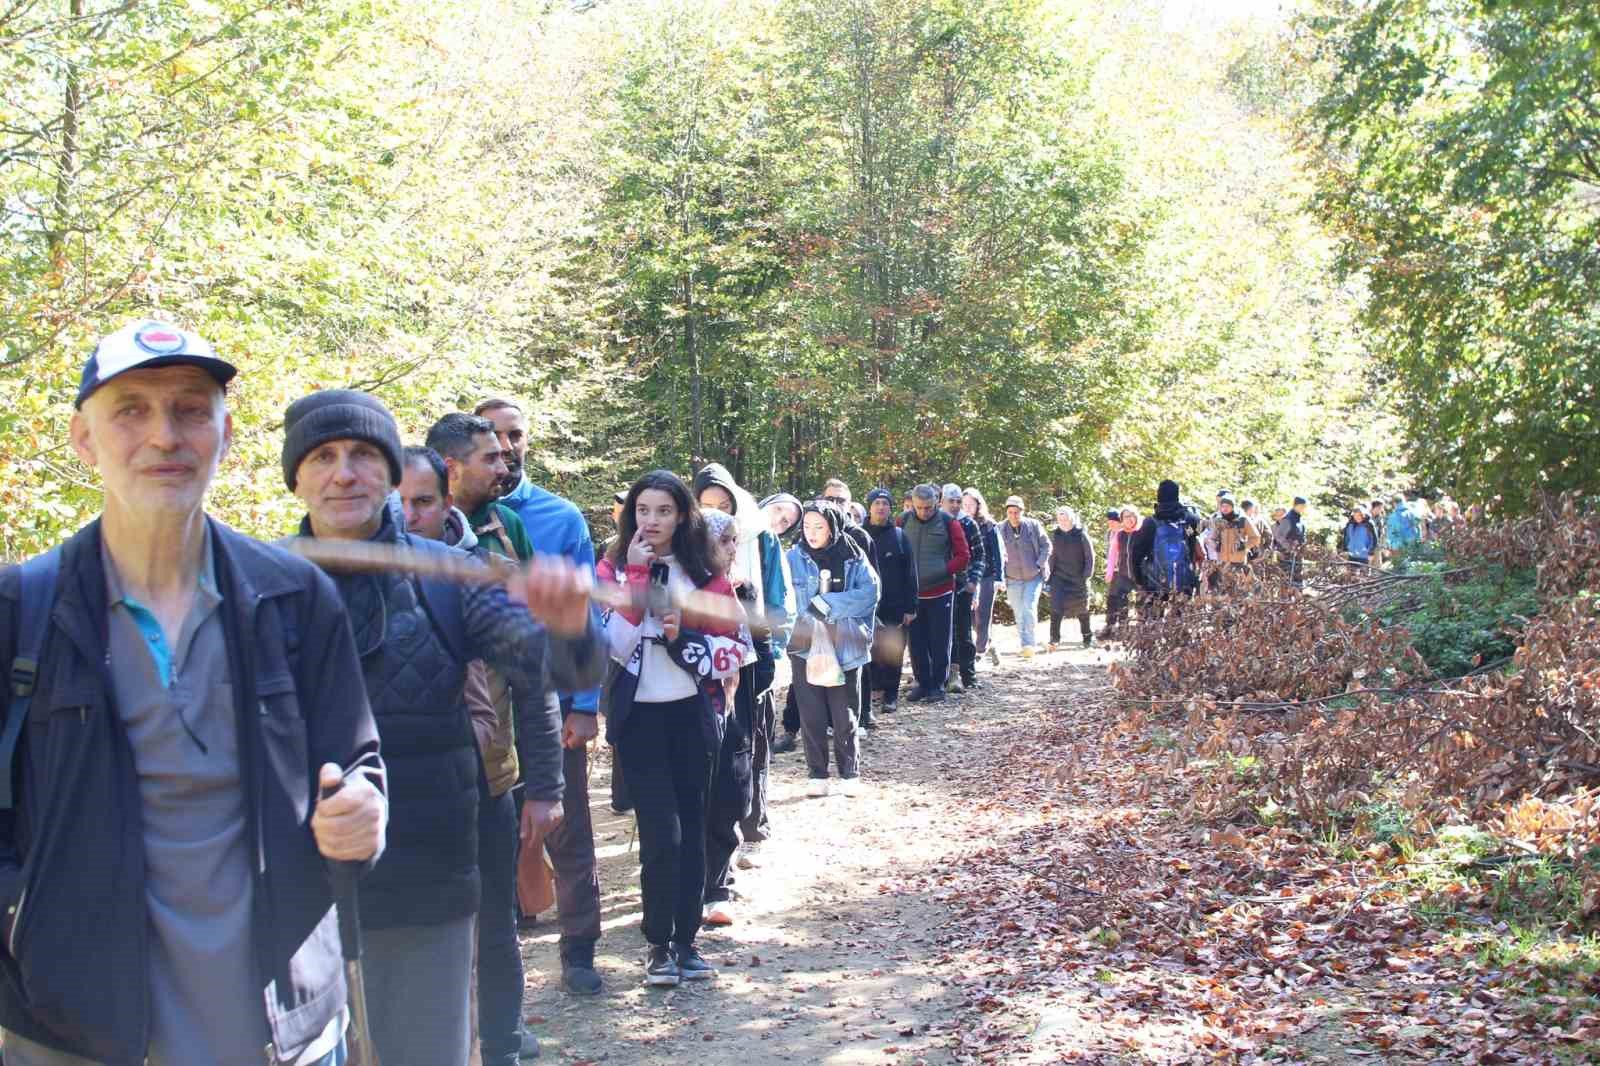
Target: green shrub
x: 1457, y: 626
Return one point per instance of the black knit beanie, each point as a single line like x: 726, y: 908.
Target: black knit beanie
x: 1167, y: 492
x: 338, y: 414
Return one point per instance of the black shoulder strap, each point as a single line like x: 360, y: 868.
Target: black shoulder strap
x: 33, y: 623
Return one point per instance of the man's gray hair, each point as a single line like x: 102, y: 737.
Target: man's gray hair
x: 926, y: 492
x: 952, y: 491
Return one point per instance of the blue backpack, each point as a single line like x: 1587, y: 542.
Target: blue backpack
x: 1171, y: 568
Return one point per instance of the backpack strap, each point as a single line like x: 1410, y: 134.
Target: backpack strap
x: 39, y: 576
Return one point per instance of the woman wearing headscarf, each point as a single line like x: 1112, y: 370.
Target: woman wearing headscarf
x: 837, y: 593
x: 1071, y: 566
x: 739, y: 811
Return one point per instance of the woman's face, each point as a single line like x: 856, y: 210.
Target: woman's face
x: 781, y: 517
x: 1129, y: 522
x: 969, y: 506
x: 657, y: 516
x: 816, y: 530
x: 716, y: 498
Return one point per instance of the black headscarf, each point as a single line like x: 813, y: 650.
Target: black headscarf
x: 833, y: 556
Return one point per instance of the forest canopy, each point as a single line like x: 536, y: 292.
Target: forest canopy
x: 1055, y: 248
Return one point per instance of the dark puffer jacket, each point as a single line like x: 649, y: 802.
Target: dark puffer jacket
x: 415, y: 638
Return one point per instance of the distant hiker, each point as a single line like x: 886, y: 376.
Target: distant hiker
x: 1071, y: 567
x: 1125, y: 576
x: 190, y: 692
x: 1113, y: 525
x: 975, y: 507
x: 1403, y: 528
x: 1235, y: 538
x: 897, y: 597
x: 837, y: 590
x: 1027, y: 566
x: 664, y: 709
x: 963, y: 672
x: 939, y: 546
x: 1289, y: 539
x: 1164, y: 551
x: 1358, y: 541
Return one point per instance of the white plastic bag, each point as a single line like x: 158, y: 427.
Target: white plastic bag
x: 822, y: 664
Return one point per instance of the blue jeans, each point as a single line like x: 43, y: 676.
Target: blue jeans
x: 1024, y: 597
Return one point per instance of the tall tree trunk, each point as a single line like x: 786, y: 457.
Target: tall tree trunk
x: 697, y: 435
x: 67, y: 161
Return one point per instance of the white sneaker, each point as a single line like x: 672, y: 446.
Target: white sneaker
x: 719, y: 913
x: 850, y: 786
x: 817, y: 786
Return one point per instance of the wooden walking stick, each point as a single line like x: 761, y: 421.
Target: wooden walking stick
x: 346, y: 898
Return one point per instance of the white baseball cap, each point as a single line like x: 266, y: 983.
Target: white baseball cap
x: 148, y: 343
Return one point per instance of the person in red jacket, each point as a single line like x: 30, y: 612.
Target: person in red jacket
x: 941, y: 552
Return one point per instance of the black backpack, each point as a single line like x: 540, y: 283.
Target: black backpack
x: 39, y: 576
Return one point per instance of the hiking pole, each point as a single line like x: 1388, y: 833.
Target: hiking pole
x: 347, y: 901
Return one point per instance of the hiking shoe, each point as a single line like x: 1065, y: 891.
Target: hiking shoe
x: 850, y: 786
x: 1027, y: 651
x: 530, y: 1046
x: 717, y: 913
x: 1052, y: 647
x: 888, y: 707
x: 786, y: 743
x: 955, y: 686
x: 749, y: 857
x: 817, y: 787
x: 693, y: 965
x: 578, y: 975
x: 917, y: 695
x: 867, y: 721
x: 661, y: 968
x: 936, y: 697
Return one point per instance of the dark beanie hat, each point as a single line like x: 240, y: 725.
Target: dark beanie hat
x: 338, y: 414
x: 1167, y: 492
x: 879, y: 494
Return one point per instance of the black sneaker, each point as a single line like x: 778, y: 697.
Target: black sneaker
x: 661, y: 968
x: 935, y: 697
x: 1088, y: 642
x: 693, y: 965
x: 578, y: 975
x: 916, y: 695
x: 785, y: 744
x: 888, y: 707
x: 867, y: 721
x: 529, y: 1047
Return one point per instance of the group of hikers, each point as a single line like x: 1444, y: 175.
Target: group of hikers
x: 204, y: 731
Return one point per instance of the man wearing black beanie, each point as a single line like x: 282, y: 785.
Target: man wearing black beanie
x: 1180, y: 521
x: 342, y: 458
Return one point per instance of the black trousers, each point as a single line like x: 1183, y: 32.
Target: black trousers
x: 1117, y: 600
x: 663, y: 752
x: 730, y: 799
x: 571, y: 849
x: 963, y: 651
x: 930, y: 643
x: 757, y: 825
x: 499, y: 958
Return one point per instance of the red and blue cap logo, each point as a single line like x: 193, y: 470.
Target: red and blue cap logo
x: 149, y: 344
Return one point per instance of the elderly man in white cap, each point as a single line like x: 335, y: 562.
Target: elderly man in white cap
x: 1027, y: 549
x: 189, y: 694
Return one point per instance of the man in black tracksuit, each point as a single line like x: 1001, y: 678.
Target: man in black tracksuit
x: 963, y: 649
x: 897, y: 600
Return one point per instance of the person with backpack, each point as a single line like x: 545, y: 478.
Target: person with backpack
x: 1235, y: 538
x: 1071, y: 567
x: 416, y: 635
x: 897, y: 598
x: 1164, y: 551
x: 838, y: 591
x: 665, y: 706
x: 963, y: 671
x: 188, y: 749
x: 1403, y: 528
x: 939, y: 549
x: 1358, y: 540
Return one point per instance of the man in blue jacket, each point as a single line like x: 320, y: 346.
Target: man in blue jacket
x: 163, y: 863
x: 556, y: 527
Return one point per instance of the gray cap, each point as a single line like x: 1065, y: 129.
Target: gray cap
x: 952, y: 491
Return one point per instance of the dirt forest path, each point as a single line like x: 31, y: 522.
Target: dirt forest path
x: 841, y: 953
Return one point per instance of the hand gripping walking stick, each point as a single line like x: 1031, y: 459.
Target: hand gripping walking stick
x: 346, y: 898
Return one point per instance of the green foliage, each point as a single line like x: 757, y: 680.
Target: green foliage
x: 1460, y: 625
x: 1455, y: 162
